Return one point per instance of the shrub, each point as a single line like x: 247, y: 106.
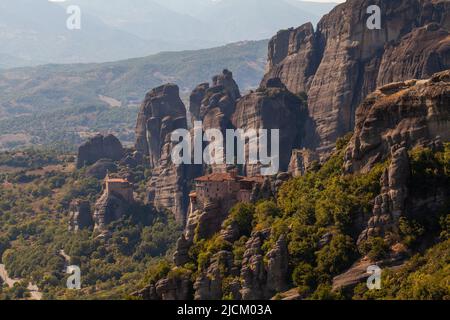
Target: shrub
x: 242, y: 214
x: 337, y: 256
x: 375, y: 248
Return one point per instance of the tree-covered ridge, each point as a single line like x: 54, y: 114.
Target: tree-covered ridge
x: 34, y: 205
x: 320, y: 215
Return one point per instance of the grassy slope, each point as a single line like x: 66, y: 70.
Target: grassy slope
x: 66, y: 97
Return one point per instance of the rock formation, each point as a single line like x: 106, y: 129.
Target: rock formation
x: 208, y: 285
x: 99, y: 147
x: 391, y: 203
x: 294, y: 56
x: 100, y: 169
x: 393, y: 120
x: 79, y: 215
x: 411, y: 113
x: 196, y: 99
x: 217, y: 107
x: 114, y: 203
x: 253, y: 273
x: 343, y: 61
x: 314, y: 83
x: 302, y: 161
x: 277, y: 267
x: 273, y: 107
x: 163, y: 112
x: 174, y: 288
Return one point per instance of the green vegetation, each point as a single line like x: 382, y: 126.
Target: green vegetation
x: 424, y: 277
x: 320, y: 214
x: 34, y: 230
x: 53, y: 104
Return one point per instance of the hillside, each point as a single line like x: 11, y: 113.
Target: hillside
x: 359, y: 194
x: 34, y: 31
x: 84, y: 98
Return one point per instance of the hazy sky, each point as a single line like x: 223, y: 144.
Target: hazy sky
x: 337, y: 1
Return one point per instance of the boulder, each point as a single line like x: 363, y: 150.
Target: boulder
x: 99, y: 147
x: 100, y: 169
x: 79, y: 215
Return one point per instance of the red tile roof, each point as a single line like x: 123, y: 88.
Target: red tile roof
x: 117, y: 180
x: 218, y: 177
x: 221, y: 177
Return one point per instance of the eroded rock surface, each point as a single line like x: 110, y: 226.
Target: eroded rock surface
x: 412, y: 113
x: 272, y: 107
x: 97, y: 148
x: 390, y: 205
x: 343, y: 60
x: 163, y: 112
x: 80, y: 216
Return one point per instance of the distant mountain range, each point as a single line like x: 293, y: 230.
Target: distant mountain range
x: 39, y: 104
x: 34, y: 32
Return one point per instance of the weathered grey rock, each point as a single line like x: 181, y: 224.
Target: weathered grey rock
x: 211, y: 219
x: 176, y: 288
x: 181, y: 255
x: 294, y: 56
x: 253, y: 271
x: 343, y: 60
x: 100, y: 169
x: 147, y: 293
x: 419, y: 54
x: 196, y: 99
x: 208, y: 285
x: 302, y: 161
x: 412, y: 113
x: 277, y: 267
x: 80, y: 215
x: 226, y: 81
x: 390, y: 204
x: 99, y: 147
x: 163, y: 112
x: 272, y: 108
x: 230, y: 233
x: 108, y: 208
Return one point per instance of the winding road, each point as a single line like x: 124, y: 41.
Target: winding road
x: 33, y: 289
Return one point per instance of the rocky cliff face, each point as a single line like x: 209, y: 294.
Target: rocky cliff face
x: 273, y: 107
x: 219, y: 106
x: 391, y: 203
x: 218, y: 103
x: 409, y: 113
x: 196, y: 100
x: 108, y: 208
x: 294, y: 56
x: 393, y: 120
x: 343, y: 60
x: 79, y: 215
x: 262, y: 280
x: 97, y: 148
x: 163, y: 112
x: 302, y: 161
